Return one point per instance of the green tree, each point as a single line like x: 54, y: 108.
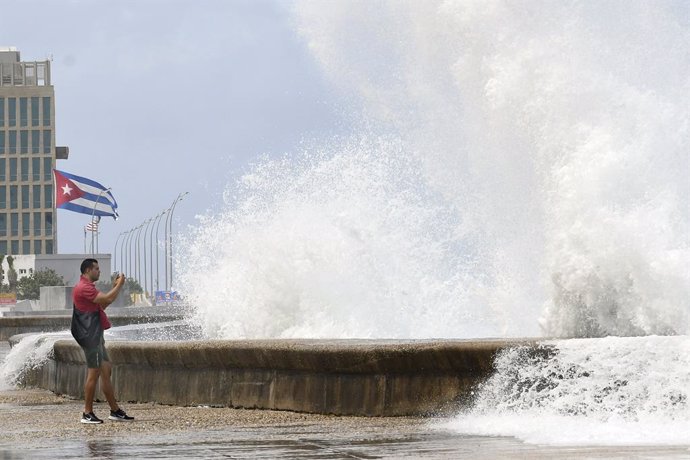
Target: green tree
x: 131, y: 286
x: 11, y: 274
x: 29, y: 287
x: 2, y: 273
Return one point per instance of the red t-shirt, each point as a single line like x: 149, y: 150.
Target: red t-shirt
x: 83, y: 296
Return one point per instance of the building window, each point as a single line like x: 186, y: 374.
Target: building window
x: 23, y: 111
x: 23, y: 141
x: 35, y: 141
x: 24, y: 172
x: 48, y: 196
x: 49, y: 226
x: 3, y: 247
x: 26, y: 247
x: 13, y: 197
x: 26, y: 204
x: 14, y: 224
x: 49, y: 246
x: 47, y: 141
x: 37, y: 196
x: 47, y: 168
x: 3, y: 228
x: 38, y: 247
x: 13, y: 169
x: 46, y: 111
x: 15, y: 247
x: 13, y: 141
x: 26, y: 224
x: 12, y: 111
x: 35, y: 113
x: 36, y: 169
x: 2, y: 114
x: 22, y: 271
x: 3, y: 197
x: 37, y: 224
x: 2, y: 169
x: 2, y: 142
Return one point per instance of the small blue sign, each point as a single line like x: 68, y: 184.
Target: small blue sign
x: 166, y: 296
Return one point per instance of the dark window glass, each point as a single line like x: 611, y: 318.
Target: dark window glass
x: 49, y: 246
x: 13, y: 141
x: 26, y: 204
x: 3, y: 197
x: 37, y: 224
x: 3, y: 227
x: 47, y: 168
x: 2, y: 115
x: 15, y: 247
x: 26, y: 247
x: 13, y: 169
x: 35, y: 113
x: 2, y: 169
x: 23, y: 111
x: 38, y: 247
x: 46, y: 111
x: 24, y: 173
x: 37, y: 196
x: 3, y: 246
x: 13, y: 196
x: 26, y: 224
x: 47, y: 141
x: 2, y: 142
x: 49, y: 223
x: 48, y: 196
x: 12, y: 111
x: 23, y: 141
x: 36, y: 168
x: 35, y: 141
x: 14, y: 224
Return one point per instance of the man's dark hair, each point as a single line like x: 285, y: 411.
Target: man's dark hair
x: 86, y: 264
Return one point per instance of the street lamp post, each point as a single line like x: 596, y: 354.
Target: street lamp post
x: 129, y: 252
x: 168, y: 241
x: 157, y: 256
x: 137, y: 260
x: 115, y: 250
x: 154, y: 220
x: 93, y: 213
x: 146, y: 286
x: 123, y: 262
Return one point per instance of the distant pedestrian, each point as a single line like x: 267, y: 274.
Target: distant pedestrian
x: 88, y: 323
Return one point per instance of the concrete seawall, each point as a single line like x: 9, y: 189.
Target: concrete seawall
x: 343, y: 377
x: 13, y: 325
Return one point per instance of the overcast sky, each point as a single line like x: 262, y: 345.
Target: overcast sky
x: 155, y: 98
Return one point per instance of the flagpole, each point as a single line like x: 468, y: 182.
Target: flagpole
x: 93, y: 213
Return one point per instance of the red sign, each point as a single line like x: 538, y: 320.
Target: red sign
x: 8, y: 298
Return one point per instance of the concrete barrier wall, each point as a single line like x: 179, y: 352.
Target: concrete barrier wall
x: 13, y: 325
x: 372, y: 378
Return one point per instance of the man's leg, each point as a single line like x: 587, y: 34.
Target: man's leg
x: 107, y: 385
x: 92, y: 375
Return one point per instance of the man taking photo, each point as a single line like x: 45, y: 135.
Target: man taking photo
x: 89, y: 320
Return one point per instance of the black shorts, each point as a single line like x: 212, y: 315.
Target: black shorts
x: 95, y: 356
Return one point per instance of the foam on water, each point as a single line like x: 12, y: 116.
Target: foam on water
x: 518, y: 167
x: 31, y: 352
x: 607, y: 391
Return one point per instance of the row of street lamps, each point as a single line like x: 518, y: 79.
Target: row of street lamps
x: 133, y: 258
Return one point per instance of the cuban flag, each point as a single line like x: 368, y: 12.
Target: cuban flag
x: 83, y: 195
